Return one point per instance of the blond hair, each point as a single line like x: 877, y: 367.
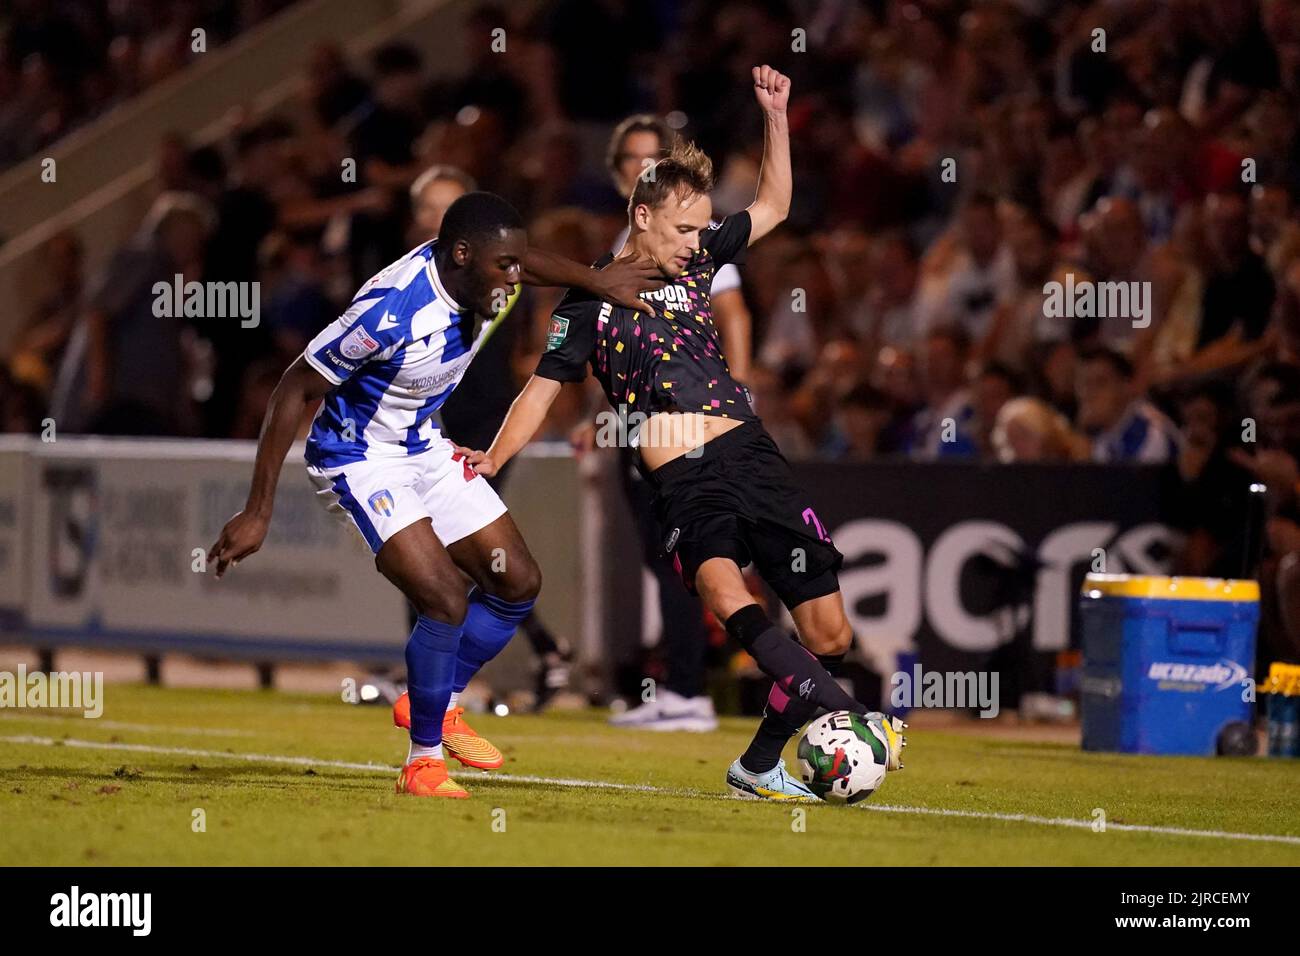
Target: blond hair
x: 685, y: 171
x: 1058, y: 440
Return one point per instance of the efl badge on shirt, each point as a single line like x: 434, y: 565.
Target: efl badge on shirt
x: 357, y: 344
x: 556, y: 333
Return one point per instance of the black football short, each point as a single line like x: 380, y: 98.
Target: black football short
x: 738, y: 500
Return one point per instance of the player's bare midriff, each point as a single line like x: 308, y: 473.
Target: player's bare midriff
x: 668, y: 435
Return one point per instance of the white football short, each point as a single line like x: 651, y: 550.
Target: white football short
x: 381, y: 496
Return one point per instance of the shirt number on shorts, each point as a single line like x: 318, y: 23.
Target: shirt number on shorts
x: 810, y: 518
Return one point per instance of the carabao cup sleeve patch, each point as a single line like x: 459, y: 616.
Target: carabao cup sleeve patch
x: 556, y: 332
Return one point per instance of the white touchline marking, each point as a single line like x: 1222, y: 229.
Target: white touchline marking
x: 645, y: 788
x: 1081, y: 824
x: 336, y: 764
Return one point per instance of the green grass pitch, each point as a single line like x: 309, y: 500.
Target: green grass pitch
x: 296, y: 779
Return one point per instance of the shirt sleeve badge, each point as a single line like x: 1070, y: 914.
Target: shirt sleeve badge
x: 556, y: 333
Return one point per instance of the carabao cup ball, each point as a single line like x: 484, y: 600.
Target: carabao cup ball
x: 842, y: 757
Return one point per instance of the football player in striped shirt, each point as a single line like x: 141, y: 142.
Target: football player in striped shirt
x: 381, y: 467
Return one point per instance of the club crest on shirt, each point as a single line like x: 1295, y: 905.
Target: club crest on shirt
x: 357, y: 344
x: 557, y: 331
x: 381, y: 503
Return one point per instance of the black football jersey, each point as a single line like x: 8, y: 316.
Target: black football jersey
x: 671, y: 361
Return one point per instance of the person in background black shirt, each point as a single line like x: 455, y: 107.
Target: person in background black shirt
x: 381, y: 143
x: 1271, y: 400
x: 597, y: 81
x: 1211, y: 502
x: 1238, y: 287
x: 486, y: 82
x: 246, y: 215
x: 332, y: 89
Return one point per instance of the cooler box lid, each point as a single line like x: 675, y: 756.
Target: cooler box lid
x: 1148, y: 587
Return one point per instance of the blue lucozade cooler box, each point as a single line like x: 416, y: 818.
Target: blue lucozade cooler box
x: 1167, y: 662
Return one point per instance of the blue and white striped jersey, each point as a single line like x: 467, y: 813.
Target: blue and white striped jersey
x: 395, y: 355
x: 1143, y: 435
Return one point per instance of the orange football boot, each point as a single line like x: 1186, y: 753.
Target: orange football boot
x: 426, y: 777
x: 402, y: 712
x: 459, y: 739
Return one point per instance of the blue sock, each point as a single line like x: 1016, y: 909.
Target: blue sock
x: 430, y: 671
x: 489, y: 626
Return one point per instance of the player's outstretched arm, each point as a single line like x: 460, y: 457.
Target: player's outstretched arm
x: 775, y: 182
x: 243, y: 534
x: 526, y: 415
x: 620, y: 282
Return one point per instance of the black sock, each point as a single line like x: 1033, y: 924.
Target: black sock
x: 785, y: 713
x: 796, y: 673
x: 777, y: 727
x: 833, y: 663
x: 774, y: 732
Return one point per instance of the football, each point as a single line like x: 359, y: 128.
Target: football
x: 843, y: 757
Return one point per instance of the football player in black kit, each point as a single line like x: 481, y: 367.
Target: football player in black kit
x: 724, y: 495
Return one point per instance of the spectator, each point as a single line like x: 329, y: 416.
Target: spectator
x: 1274, y: 233
x: 1238, y: 287
x: 65, y: 63
x: 433, y: 191
x: 1211, y: 506
x: 994, y: 386
x: 1122, y: 426
x: 294, y: 302
x: 800, y: 321
x: 894, y: 374
x: 968, y: 276
x: 1272, y: 395
x: 944, y: 427
x: 1021, y: 323
x: 1228, y: 326
x: 858, y: 422
x: 1029, y: 430
x: 772, y: 402
x: 839, y: 369
x: 887, y: 314
x: 137, y: 365
x: 42, y: 343
x: 333, y: 90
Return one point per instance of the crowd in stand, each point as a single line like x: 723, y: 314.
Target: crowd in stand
x: 954, y: 163
x: 62, y: 64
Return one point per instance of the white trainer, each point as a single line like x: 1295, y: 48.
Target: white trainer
x: 670, y: 711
